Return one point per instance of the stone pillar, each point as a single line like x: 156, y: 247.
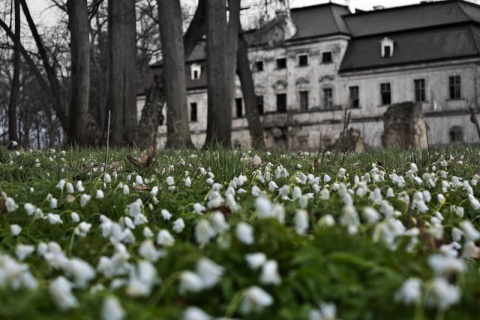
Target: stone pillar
x: 404, y: 126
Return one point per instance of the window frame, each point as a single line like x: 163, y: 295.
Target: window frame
x: 352, y: 99
x: 281, y: 63
x: 455, y: 87
x: 419, y: 86
x: 385, y: 93
x: 327, y: 54
x: 302, y: 63
x: 259, y: 66
x: 281, y: 108
x: 304, y: 100
x: 196, y: 72
x: 327, y: 98
x: 193, y: 115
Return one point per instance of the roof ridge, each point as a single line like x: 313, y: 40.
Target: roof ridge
x: 333, y: 17
x: 472, y: 33
x: 461, y: 9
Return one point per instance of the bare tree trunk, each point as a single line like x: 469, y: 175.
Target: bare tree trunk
x: 221, y: 55
x: 196, y: 29
x: 151, y: 116
x: 12, y: 107
x: 178, y: 132
x: 80, y: 74
x: 248, y: 88
x: 122, y: 71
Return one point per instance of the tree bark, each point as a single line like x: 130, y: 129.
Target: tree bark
x: 221, y: 55
x: 122, y: 71
x: 196, y: 29
x: 80, y: 74
x: 12, y: 107
x: 178, y: 132
x: 248, y: 88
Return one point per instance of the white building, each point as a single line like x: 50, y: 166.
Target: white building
x: 307, y: 69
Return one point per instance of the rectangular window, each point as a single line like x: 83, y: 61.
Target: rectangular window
x: 419, y: 90
x: 387, y: 51
x: 258, y: 66
x: 238, y: 107
x: 281, y: 63
x: 354, y: 100
x: 385, y: 94
x: 327, y: 57
x: 303, y: 100
x: 455, y: 87
x: 260, y: 105
x: 282, y: 102
x: 302, y: 60
x: 328, y: 98
x: 193, y: 112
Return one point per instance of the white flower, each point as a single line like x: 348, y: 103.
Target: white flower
x: 284, y: 192
x: 256, y: 260
x: 84, y: 200
x: 204, y: 232
x: 326, y: 221
x: 188, y: 182
x: 194, y: 313
x: 231, y: 203
x: 349, y: 217
x: 209, y: 272
x: 327, y: 311
x: 80, y: 187
x: 325, y: 194
x: 270, y: 273
x: 218, y: 222
x: 442, y: 294
x: 15, y: 229
x: 147, y: 232
x: 165, y: 214
x: 256, y: 191
x: 112, y: 309
x: 54, y: 218
x: 410, y: 292
x: 371, y: 215
x: 140, y: 219
x: 178, y: 225
x: 10, y: 205
x: 190, y: 282
x: 107, y: 178
x: 474, y: 202
x: 61, y: 292
x: 446, y: 265
x: 135, y: 208
x: 164, y: 238
x: 69, y: 187
x: 24, y: 250
x: 81, y: 271
x: 255, y: 299
x: 413, y: 167
x: 198, y: 208
x: 126, y: 190
x: 75, y: 217
x: 99, y: 194
x: 244, y: 233
x: 272, y: 186
x: 30, y: 208
x: 469, y: 230
x: 301, y: 221
x: 148, y: 251
x: 264, y: 207
x: 170, y: 181
x: 82, y: 229
x: 61, y: 184
x: 139, y: 180
x: 154, y: 191
x: 141, y: 279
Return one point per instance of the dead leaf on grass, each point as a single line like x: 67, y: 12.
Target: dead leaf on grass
x: 142, y: 188
x: 144, y: 161
x: 223, y: 209
x: 69, y: 198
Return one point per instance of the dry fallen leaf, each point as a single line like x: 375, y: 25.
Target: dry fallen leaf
x: 223, y: 209
x: 69, y: 198
x: 144, y: 161
x: 142, y: 188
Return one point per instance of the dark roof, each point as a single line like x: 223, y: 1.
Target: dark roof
x: 424, y: 15
x: 454, y: 42
x: 320, y: 20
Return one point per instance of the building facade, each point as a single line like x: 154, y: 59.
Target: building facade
x: 312, y: 63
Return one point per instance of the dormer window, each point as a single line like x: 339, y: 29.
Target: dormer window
x: 387, y: 48
x: 196, y: 71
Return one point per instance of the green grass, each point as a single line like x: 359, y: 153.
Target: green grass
x: 355, y: 271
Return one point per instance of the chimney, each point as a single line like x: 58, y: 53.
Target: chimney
x: 351, y: 6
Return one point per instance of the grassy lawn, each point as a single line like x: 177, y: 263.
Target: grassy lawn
x: 196, y: 235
